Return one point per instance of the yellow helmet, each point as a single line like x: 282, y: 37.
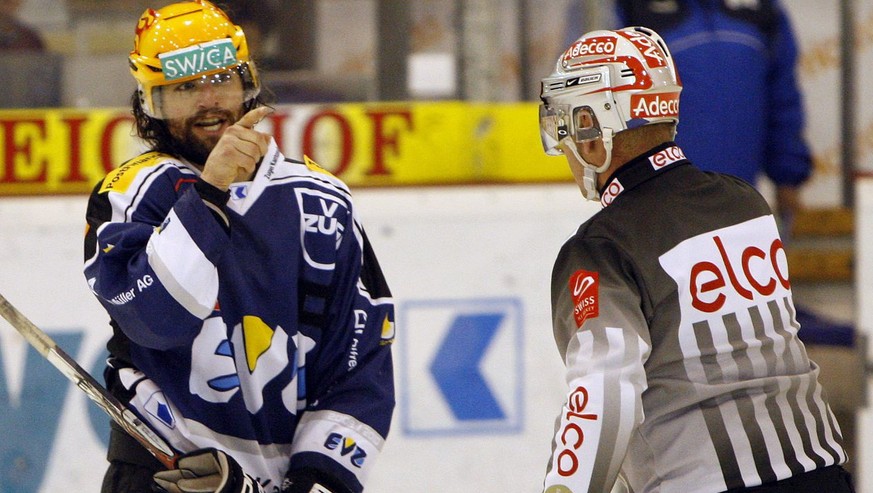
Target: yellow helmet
x: 187, y: 41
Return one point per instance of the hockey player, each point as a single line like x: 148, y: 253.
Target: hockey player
x: 252, y: 325
x: 672, y: 306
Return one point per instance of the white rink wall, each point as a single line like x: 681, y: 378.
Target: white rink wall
x: 446, y: 252
x: 864, y: 302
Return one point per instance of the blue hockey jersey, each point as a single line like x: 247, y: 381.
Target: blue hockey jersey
x: 270, y: 339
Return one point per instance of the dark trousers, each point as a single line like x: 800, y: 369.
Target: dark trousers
x: 833, y: 479
x: 131, y: 466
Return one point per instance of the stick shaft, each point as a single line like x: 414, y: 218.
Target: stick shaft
x: 126, y: 418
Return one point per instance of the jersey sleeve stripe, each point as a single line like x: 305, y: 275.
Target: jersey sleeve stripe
x: 351, y: 443
x: 190, y: 278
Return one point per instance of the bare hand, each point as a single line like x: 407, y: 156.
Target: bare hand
x: 238, y: 151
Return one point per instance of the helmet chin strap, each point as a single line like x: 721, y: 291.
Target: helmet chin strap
x: 590, y: 171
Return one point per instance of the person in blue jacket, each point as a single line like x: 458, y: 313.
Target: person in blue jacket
x: 742, y: 111
x: 252, y: 324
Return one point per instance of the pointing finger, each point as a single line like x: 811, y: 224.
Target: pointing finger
x: 250, y: 119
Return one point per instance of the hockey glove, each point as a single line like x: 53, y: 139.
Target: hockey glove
x: 206, y: 471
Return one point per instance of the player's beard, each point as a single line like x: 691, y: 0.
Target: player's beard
x: 193, y: 147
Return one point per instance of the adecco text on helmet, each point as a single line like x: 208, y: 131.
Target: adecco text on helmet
x: 658, y: 105
x: 598, y: 45
x: 652, y: 52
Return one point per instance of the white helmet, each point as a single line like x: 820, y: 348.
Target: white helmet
x: 604, y: 83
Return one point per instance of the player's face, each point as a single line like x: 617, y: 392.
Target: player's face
x: 181, y: 100
x: 198, y: 112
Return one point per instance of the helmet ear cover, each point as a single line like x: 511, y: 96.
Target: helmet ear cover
x: 567, y: 99
x: 188, y: 41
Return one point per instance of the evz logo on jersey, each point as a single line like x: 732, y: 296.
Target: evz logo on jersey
x: 584, y: 287
x: 254, y: 356
x: 347, y: 447
x: 323, y: 217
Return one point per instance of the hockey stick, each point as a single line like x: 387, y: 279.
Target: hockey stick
x: 134, y: 426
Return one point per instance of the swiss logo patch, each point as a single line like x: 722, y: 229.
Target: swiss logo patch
x: 584, y: 286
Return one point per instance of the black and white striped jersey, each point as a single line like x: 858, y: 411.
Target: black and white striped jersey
x: 673, y: 312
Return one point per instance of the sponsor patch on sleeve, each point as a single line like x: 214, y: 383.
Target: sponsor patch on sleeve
x: 584, y: 286
x: 120, y: 178
x: 313, y: 166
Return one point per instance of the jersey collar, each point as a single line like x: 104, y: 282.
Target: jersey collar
x: 640, y: 169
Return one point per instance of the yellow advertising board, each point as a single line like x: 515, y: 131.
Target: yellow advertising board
x: 60, y: 151
x: 66, y: 151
